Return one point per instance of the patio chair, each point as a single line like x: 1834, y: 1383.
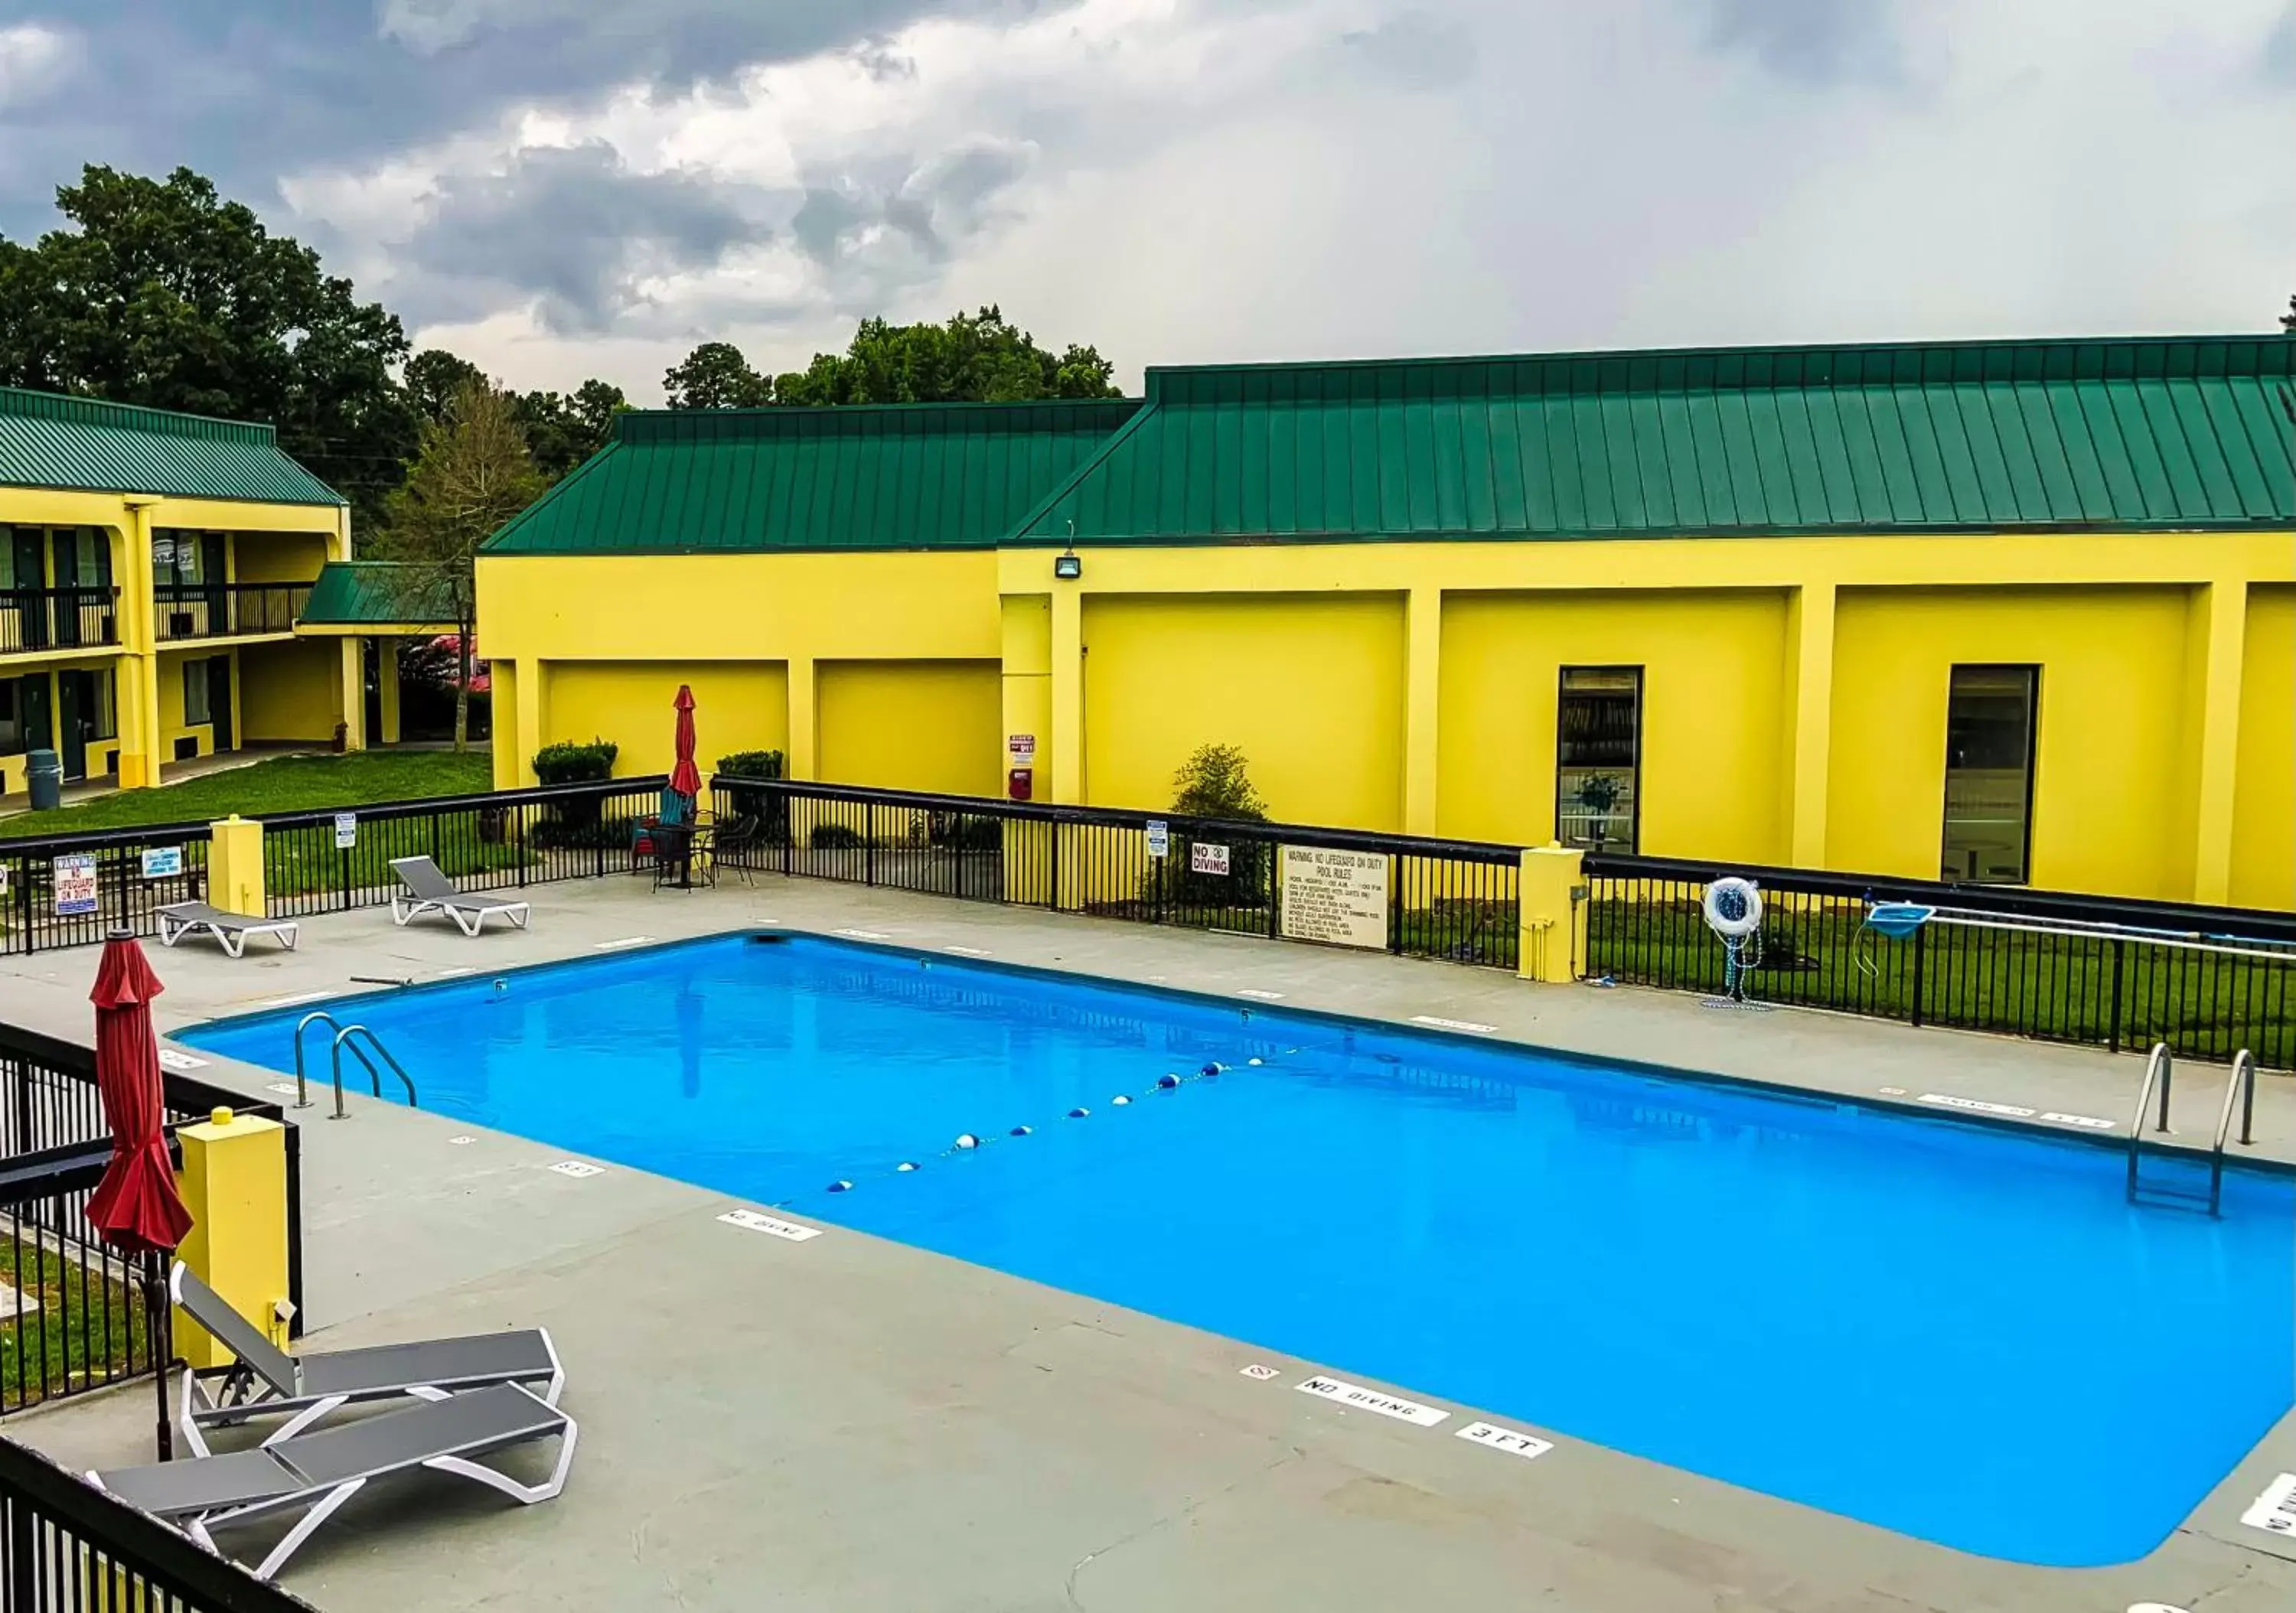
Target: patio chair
x: 737, y: 843
x: 432, y: 891
x: 265, y: 1381
x: 682, y: 857
x: 230, y: 929
x: 314, y: 1474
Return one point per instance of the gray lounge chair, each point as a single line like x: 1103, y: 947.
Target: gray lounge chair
x: 314, y: 1474
x: 267, y: 1382
x: 430, y: 890
x: 231, y: 929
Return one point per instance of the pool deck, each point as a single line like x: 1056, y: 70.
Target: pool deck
x: 851, y: 1424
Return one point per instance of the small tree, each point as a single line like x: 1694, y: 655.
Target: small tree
x: 1213, y: 783
x: 470, y: 475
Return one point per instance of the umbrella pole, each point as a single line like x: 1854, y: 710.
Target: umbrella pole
x: 158, y: 1334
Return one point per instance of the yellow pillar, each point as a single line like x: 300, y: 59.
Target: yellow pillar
x: 235, y: 865
x: 804, y: 720
x: 386, y: 673
x: 350, y: 693
x: 1809, y: 751
x: 1026, y: 646
x: 1552, y: 914
x: 2219, y: 747
x: 529, y: 691
x: 1423, y: 653
x: 234, y: 1181
x: 136, y: 695
x: 1066, y: 670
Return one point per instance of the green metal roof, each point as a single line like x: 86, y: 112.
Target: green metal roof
x: 48, y: 440
x: 380, y: 593
x: 905, y: 476
x: 2159, y: 433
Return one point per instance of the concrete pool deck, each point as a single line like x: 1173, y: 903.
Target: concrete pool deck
x: 849, y: 1423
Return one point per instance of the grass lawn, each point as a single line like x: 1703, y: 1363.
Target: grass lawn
x: 287, y: 783
x: 89, y: 1328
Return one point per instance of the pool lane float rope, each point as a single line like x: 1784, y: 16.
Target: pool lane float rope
x: 967, y: 1143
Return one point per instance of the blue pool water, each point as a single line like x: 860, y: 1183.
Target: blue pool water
x: 1958, y: 1332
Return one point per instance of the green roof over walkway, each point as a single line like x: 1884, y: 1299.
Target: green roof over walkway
x: 379, y: 593
x: 904, y: 476
x: 48, y: 440
x: 2140, y: 434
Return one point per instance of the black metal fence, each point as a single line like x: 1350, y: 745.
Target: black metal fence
x: 2208, y: 981
x: 58, y: 619
x: 1452, y: 899
x: 67, y: 1547
x: 77, y: 1321
x: 495, y: 841
x: 72, y: 890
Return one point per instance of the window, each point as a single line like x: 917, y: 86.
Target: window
x: 103, y: 713
x: 11, y: 718
x: 195, y: 692
x: 1988, y: 773
x: 1597, y: 758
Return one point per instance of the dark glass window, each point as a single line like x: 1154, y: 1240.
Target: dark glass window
x: 1988, y: 773
x: 1598, y: 757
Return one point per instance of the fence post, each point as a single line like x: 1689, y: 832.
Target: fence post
x: 1921, y: 953
x: 1053, y: 892
x: 2114, y: 1037
x: 1274, y: 854
x: 868, y: 842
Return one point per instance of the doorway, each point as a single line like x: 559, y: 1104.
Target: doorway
x: 219, y: 701
x: 72, y: 706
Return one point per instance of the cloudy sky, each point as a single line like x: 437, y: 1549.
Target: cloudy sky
x: 561, y: 188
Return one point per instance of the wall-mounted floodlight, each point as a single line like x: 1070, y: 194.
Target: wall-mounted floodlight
x: 1069, y: 566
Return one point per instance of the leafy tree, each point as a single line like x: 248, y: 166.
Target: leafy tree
x: 562, y: 431
x: 1213, y: 783
x: 974, y: 358
x: 433, y: 377
x: 715, y: 376
x: 472, y: 473
x: 159, y: 292
x: 2288, y: 320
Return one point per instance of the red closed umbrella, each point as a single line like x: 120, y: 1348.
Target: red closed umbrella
x: 135, y: 1206
x: 685, y: 778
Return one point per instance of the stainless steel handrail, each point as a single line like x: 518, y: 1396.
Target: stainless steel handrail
x: 2159, y: 1066
x: 2243, y: 1080
x: 302, y: 1086
x: 343, y: 1038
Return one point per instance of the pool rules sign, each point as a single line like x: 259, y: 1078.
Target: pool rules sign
x: 1337, y: 897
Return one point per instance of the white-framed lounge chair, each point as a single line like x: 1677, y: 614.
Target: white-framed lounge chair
x: 230, y: 929
x: 267, y: 1382
x: 314, y: 1474
x: 424, y: 888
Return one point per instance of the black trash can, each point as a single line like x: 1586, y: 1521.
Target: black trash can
x: 44, y: 775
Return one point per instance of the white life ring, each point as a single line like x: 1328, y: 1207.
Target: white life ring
x: 1733, y: 907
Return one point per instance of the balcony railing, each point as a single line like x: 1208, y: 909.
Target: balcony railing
x: 187, y: 611
x: 57, y: 618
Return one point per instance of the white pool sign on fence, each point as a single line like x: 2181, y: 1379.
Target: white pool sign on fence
x: 346, y: 830
x: 162, y: 861
x: 75, y: 884
x: 1160, y: 838
x: 1206, y: 858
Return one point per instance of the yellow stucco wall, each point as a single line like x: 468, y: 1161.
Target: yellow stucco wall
x: 2264, y: 809
x: 2112, y: 775
x: 277, y: 557
x: 290, y: 691
x: 931, y: 726
x: 1713, y: 667
x: 738, y: 706
x: 1309, y: 688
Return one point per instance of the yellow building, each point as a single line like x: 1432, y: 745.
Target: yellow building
x: 153, y: 566
x: 2009, y: 611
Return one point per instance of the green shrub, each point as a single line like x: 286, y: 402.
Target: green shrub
x: 568, y: 763
x: 751, y: 764
x: 771, y: 810
x: 966, y: 831
x: 1213, y: 783
x: 836, y: 836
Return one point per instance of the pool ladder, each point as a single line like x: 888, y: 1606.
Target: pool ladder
x: 350, y: 1037
x: 2159, y: 1074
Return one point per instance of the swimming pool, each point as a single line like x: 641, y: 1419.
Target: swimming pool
x: 1956, y: 1331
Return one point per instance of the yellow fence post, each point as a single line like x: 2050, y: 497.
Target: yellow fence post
x: 235, y: 1180
x: 1553, y: 937
x: 235, y: 865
